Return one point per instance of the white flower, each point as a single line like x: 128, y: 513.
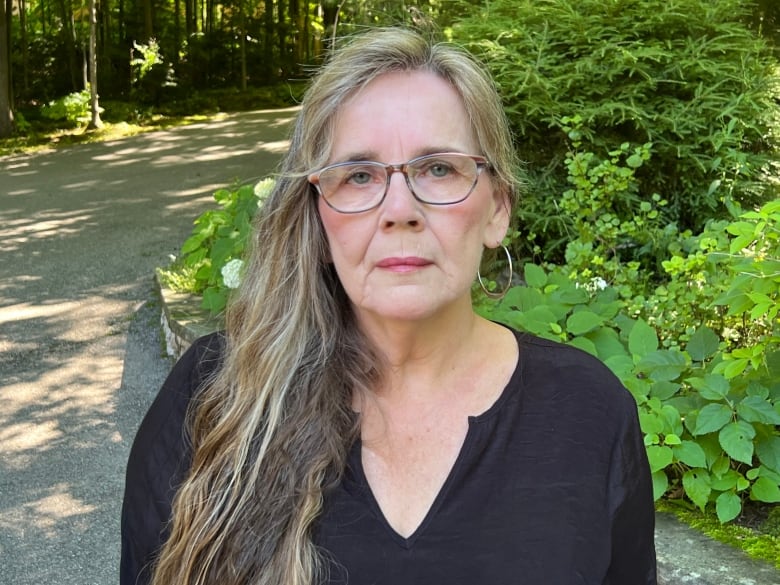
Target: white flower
x: 231, y: 273
x: 263, y: 189
x: 594, y: 284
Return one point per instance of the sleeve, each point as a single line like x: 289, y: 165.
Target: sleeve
x: 633, y: 513
x: 159, y: 459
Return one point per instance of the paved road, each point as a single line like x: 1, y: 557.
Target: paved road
x: 81, y: 231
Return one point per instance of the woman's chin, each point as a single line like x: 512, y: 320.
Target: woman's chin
x: 413, y: 306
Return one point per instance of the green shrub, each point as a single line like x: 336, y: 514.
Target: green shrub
x: 690, y: 78
x: 210, y: 261
x: 709, y: 401
x: 73, y: 108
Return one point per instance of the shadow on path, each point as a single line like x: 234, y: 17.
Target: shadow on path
x: 81, y: 231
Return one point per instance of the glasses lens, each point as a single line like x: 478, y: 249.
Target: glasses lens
x: 443, y: 178
x: 352, y: 187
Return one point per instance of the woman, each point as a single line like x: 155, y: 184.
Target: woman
x: 358, y: 423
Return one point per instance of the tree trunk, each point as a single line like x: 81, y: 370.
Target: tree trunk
x: 6, y: 111
x: 95, y: 122
x: 70, y: 42
x: 25, y: 48
x: 148, y: 20
x: 84, y: 66
x: 242, y: 45
x: 281, y: 30
x: 189, y: 18
x: 268, y: 41
x: 176, y: 30
x: 9, y: 11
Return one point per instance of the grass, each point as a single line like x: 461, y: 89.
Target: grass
x: 46, y: 138
x: 122, y: 119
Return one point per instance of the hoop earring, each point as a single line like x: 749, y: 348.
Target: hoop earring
x: 498, y: 295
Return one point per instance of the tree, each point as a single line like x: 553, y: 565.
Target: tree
x: 95, y: 121
x: 6, y: 111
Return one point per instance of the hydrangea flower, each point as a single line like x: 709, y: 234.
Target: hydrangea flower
x: 231, y: 273
x: 263, y: 189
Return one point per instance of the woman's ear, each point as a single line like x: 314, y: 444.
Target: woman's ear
x: 498, y: 223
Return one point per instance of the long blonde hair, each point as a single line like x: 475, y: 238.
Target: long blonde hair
x: 271, y: 431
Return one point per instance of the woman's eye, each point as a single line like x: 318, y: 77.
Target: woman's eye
x: 359, y: 178
x: 439, y: 170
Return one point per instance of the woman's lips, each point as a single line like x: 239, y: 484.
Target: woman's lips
x: 404, y: 264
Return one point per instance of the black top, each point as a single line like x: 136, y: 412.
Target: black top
x: 551, y: 486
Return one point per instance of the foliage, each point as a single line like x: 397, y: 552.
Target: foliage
x: 609, y: 223
x: 151, y: 74
x: 73, y: 108
x: 709, y: 405
x: 218, y: 238
x: 689, y: 78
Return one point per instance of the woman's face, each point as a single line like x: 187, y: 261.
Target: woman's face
x: 406, y: 260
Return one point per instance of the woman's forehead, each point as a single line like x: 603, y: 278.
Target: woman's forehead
x: 416, y: 111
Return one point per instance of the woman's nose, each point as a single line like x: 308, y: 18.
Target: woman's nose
x: 400, y: 207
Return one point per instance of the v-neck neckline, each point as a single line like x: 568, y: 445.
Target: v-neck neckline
x: 474, y: 422
x: 441, y: 495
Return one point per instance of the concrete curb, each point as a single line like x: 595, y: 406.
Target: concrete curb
x: 685, y: 556
x: 182, y: 319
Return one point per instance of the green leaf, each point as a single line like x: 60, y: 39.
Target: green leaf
x: 214, y: 299
x: 607, y: 343
x: 192, y: 243
x: 765, y: 490
x: 535, y: 276
x: 703, y: 344
x: 711, y: 418
x: 721, y: 466
x: 660, y: 484
x: 696, y: 483
x: 537, y: 320
x: 728, y: 505
x: 690, y: 453
x: 755, y: 409
x: 725, y: 482
x: 768, y: 451
x: 643, y: 339
x: 663, y: 364
x: 621, y: 365
x: 672, y: 440
x: 582, y: 322
x: 735, y: 367
x: 652, y: 423
x: 737, y: 441
x: 711, y: 386
x: 634, y: 161
x: 584, y: 344
x: 664, y: 390
x: 659, y: 457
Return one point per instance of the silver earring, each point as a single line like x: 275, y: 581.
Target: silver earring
x: 499, y: 295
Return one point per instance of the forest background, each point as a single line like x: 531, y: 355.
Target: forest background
x: 649, y: 226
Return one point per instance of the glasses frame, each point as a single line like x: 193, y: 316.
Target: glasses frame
x: 402, y: 168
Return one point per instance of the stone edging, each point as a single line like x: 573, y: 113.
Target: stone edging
x: 182, y: 319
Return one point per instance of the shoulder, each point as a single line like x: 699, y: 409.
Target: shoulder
x: 160, y: 457
x: 568, y: 377
x: 165, y: 419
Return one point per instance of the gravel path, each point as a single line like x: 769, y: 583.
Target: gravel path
x: 81, y: 231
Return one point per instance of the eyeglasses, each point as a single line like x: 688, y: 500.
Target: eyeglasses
x: 436, y: 179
